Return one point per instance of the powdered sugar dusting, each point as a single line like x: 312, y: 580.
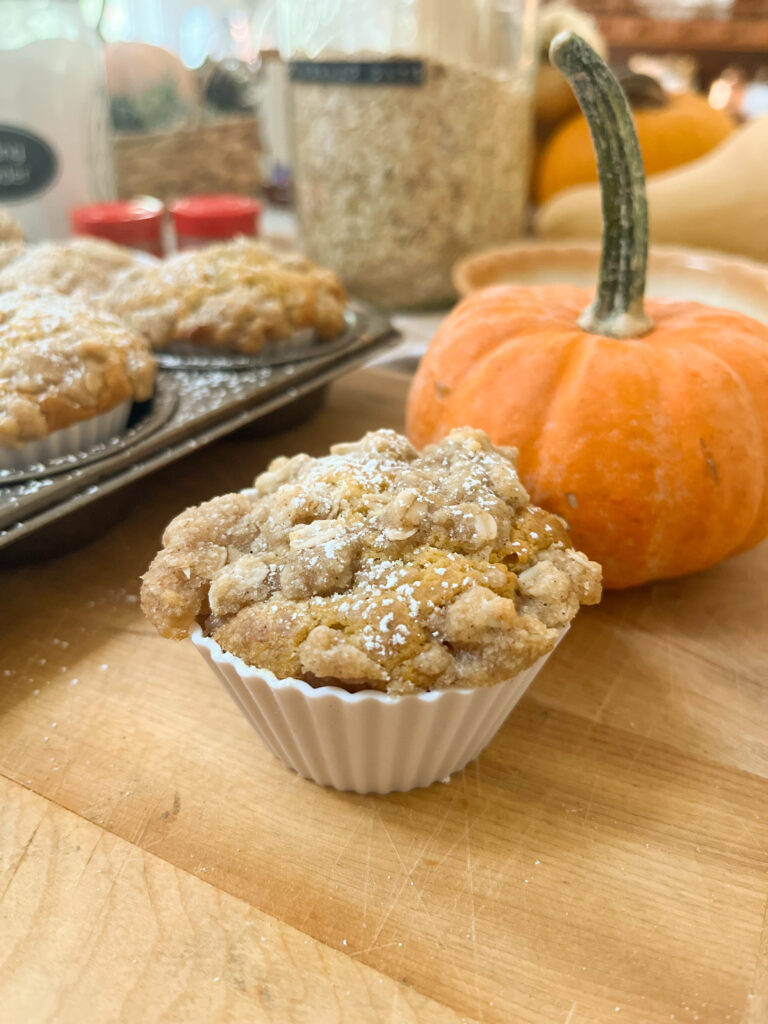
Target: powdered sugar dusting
x: 377, y: 565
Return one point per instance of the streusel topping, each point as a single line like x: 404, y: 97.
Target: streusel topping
x: 235, y: 295
x: 10, y: 251
x: 61, y: 361
x: 10, y: 229
x: 376, y: 566
x: 87, y: 266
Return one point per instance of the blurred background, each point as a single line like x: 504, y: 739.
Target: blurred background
x: 404, y: 133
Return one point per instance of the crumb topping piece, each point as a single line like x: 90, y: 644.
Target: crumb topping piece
x: 235, y: 295
x: 376, y: 566
x: 10, y: 229
x: 61, y: 361
x: 10, y: 251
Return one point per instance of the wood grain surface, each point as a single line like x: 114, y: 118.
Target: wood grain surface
x: 605, y: 859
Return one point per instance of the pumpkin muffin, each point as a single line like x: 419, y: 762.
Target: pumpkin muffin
x: 376, y: 567
x: 84, y: 265
x: 235, y: 295
x: 62, y: 362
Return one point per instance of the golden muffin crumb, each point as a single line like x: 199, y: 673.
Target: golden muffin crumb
x: 376, y: 566
x: 235, y: 295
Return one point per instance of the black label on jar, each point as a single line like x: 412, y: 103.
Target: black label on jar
x: 357, y: 72
x: 28, y: 165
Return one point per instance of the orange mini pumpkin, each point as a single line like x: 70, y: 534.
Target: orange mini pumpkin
x: 644, y: 426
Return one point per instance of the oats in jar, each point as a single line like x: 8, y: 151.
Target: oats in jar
x: 397, y: 182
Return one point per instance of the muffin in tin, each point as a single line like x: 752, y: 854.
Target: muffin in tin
x: 237, y: 295
x: 65, y: 368
x: 83, y: 266
x: 376, y: 571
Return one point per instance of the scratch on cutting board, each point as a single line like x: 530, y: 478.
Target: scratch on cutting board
x: 150, y: 817
x: 131, y: 853
x: 473, y: 771
x: 380, y: 929
x: 374, y: 948
x: 757, y: 1000
x: 348, y: 842
x: 94, y: 848
x: 447, y: 813
x: 20, y: 861
x: 434, y: 835
x: 367, y: 883
x: 590, y: 799
x: 597, y: 717
x: 510, y: 856
x: 473, y: 908
x: 640, y: 748
x: 400, y: 860
x: 570, y: 1014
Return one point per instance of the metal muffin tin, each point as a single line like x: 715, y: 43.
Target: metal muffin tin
x: 301, y: 346
x: 195, y: 402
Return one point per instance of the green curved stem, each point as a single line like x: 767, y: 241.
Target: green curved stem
x: 617, y: 309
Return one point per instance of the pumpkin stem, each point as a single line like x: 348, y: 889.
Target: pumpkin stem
x: 617, y: 309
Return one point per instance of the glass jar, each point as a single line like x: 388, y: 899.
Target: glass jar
x: 182, y: 80
x: 54, y: 115
x: 411, y: 128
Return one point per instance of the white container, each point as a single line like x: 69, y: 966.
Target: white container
x: 368, y: 742
x: 55, y: 150
x: 70, y: 440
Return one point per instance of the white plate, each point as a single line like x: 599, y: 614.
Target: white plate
x: 696, y: 275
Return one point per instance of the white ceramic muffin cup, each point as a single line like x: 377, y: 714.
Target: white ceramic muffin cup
x: 368, y: 741
x: 70, y: 440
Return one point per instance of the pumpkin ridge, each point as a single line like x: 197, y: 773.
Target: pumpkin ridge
x: 656, y: 554
x: 468, y: 384
x: 664, y: 430
x: 748, y: 400
x: 761, y: 512
x: 595, y: 353
x: 759, y: 350
x: 584, y: 348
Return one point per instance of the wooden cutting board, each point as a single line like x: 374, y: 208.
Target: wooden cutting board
x: 605, y: 859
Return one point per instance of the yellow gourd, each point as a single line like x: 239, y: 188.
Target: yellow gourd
x: 719, y: 201
x: 672, y: 130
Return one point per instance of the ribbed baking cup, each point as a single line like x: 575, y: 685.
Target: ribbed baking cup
x: 368, y: 741
x: 69, y: 441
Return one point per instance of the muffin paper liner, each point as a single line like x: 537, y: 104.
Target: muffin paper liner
x: 69, y: 441
x: 368, y: 741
